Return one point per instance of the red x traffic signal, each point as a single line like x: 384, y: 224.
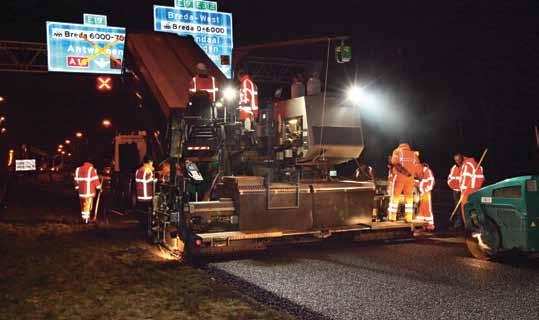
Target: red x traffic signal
x: 104, y: 83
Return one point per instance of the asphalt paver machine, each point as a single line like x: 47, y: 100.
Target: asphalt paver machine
x: 270, y: 184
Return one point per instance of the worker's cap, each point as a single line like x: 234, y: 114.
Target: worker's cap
x: 416, y: 153
x: 201, y: 67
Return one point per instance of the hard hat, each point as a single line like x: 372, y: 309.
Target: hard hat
x: 416, y: 153
x: 201, y: 68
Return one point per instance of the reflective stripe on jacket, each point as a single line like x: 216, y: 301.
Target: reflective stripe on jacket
x: 205, y: 84
x: 453, y: 179
x: 144, y: 180
x: 248, y: 98
x: 471, y: 177
x: 86, y: 180
x: 427, y: 180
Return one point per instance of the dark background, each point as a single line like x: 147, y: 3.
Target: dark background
x: 446, y: 75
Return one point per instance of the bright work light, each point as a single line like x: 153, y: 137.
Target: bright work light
x: 355, y: 94
x: 230, y: 94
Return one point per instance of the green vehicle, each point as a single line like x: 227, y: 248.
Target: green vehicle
x: 503, y: 217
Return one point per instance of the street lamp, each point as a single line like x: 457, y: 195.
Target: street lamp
x: 3, y: 130
x: 60, y: 146
x: 67, y: 141
x: 78, y: 134
x: 106, y: 123
x: 2, y: 99
x: 2, y: 119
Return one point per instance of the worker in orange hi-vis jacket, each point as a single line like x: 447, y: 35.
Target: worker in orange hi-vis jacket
x: 87, y: 183
x: 204, y: 82
x: 426, y: 184
x: 404, y: 164
x: 248, y: 104
x: 471, y: 180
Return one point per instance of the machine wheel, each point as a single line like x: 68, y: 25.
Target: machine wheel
x: 484, y: 242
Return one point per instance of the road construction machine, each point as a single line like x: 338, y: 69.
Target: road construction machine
x: 234, y: 187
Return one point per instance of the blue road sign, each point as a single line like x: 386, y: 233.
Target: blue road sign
x: 211, y: 30
x: 82, y: 48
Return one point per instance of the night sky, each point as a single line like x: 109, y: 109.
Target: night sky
x: 447, y: 75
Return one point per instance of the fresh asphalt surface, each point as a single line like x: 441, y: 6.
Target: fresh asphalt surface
x: 424, y: 279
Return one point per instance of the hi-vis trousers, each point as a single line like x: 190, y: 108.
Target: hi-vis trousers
x: 425, y: 208
x: 86, y: 205
x: 401, y: 184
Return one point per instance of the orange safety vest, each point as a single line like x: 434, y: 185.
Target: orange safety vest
x: 86, y: 180
x: 453, y: 179
x: 404, y: 156
x: 204, y: 84
x: 144, y: 180
x: 248, y: 98
x: 427, y: 180
x: 471, y: 177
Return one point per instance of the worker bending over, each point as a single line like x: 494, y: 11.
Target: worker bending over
x: 404, y: 164
x: 87, y: 183
x: 426, y: 184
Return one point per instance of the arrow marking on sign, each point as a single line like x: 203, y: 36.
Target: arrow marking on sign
x: 102, y: 63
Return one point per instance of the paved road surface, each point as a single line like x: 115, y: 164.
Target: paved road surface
x: 417, y: 280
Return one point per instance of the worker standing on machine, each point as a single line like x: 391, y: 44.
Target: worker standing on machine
x: 405, y: 165
x: 87, y: 183
x: 203, y: 82
x: 471, y: 180
x: 248, y: 104
x: 426, y: 184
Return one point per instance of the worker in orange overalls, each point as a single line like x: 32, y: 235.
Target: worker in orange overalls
x: 426, y: 184
x: 404, y: 164
x: 87, y: 183
x: 471, y: 180
x: 145, y: 185
x: 144, y: 179
x: 248, y: 104
x: 453, y: 181
x: 203, y: 82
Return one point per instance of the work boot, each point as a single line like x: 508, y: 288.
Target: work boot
x: 430, y: 227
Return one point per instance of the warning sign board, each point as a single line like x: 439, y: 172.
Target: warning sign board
x: 82, y: 48
x: 25, y: 165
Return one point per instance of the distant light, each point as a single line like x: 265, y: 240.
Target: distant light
x: 3, y: 130
x: 2, y: 99
x: 78, y: 134
x: 60, y: 146
x: 230, y: 94
x: 2, y: 119
x: 219, y: 104
x: 106, y: 123
x: 138, y: 95
x: 69, y: 154
x: 63, y: 152
x: 67, y: 141
x: 59, y: 150
x: 355, y: 94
